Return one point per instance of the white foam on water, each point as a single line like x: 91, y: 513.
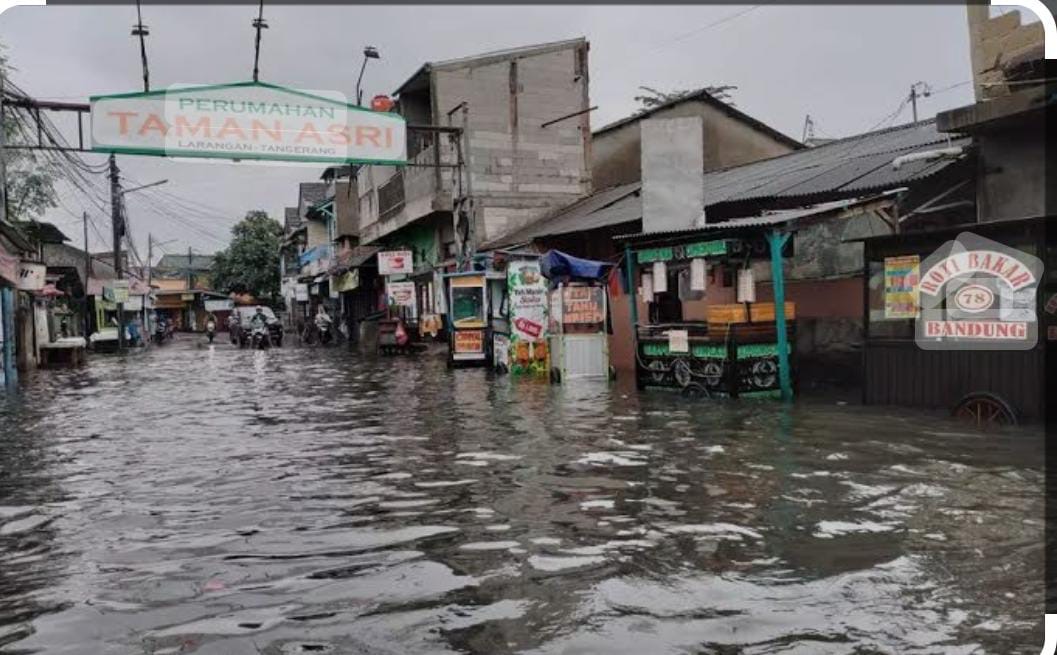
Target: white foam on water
x: 489, y: 545
x: 552, y: 564
x: 830, y: 529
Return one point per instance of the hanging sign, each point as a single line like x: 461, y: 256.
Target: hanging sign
x: 301, y: 292
x: 31, y: 276
x: 348, y: 281
x: 219, y: 305
x: 901, y: 286
x: 401, y: 294
x: 247, y: 120
x: 116, y: 291
x: 395, y: 262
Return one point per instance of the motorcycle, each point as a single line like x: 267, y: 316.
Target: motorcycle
x: 260, y: 338
x: 211, y: 330
x: 323, y: 328
x: 162, y: 331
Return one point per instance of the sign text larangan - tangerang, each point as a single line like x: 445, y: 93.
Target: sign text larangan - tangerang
x: 246, y: 121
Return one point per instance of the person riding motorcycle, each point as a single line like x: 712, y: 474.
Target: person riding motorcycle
x: 260, y: 322
x: 323, y: 323
x: 211, y: 326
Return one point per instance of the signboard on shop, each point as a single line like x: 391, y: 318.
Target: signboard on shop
x: 401, y: 294
x: 31, y: 276
x: 977, y: 294
x: 901, y: 286
x: 247, y: 120
x: 469, y: 341
x: 301, y: 292
x: 583, y: 305
x: 396, y: 262
x: 116, y: 291
x: 219, y: 305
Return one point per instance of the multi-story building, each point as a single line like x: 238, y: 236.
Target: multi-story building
x: 520, y: 151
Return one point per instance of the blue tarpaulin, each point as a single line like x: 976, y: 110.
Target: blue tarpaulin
x: 557, y: 264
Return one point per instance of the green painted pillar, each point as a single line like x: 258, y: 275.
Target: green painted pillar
x: 776, y: 240
x: 7, y: 314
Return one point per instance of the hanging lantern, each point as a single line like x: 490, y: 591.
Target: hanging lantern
x: 660, y: 277
x: 698, y: 273
x: 746, y: 285
x: 646, y: 288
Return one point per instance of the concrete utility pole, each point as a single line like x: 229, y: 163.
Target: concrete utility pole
x: 189, y: 287
x: 926, y: 91
x: 118, y: 231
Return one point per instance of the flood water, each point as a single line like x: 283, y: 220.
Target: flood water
x: 197, y: 500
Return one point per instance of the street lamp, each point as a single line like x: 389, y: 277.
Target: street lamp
x: 144, y: 186
x: 369, y: 52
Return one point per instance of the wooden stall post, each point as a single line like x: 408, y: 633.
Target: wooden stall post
x: 777, y: 240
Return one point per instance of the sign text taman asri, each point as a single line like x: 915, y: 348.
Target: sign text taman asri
x: 248, y: 120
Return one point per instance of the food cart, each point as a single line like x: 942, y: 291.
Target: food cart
x: 469, y: 328
x: 579, y: 299
x: 736, y: 349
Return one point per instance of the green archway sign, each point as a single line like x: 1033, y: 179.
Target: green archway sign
x: 247, y: 120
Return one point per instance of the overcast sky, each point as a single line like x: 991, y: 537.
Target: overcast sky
x: 848, y: 67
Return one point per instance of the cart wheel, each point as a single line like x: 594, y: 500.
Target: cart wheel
x: 984, y: 409
x: 695, y: 390
x: 556, y: 376
x: 713, y: 373
x: 764, y: 373
x: 682, y: 373
x: 658, y: 371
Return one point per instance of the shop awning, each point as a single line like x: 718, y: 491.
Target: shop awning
x: 556, y: 264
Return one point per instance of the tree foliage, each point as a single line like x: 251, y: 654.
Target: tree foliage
x: 251, y: 263
x: 30, y: 177
x: 653, y: 98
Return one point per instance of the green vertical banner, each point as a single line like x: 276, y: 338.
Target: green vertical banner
x: 527, y: 291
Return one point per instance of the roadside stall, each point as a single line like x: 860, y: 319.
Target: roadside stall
x: 519, y: 314
x: 579, y: 307
x: 469, y: 327
x: 705, y: 333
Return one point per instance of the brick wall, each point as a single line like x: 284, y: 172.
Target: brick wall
x: 996, y: 42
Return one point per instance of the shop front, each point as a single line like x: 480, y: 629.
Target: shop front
x: 959, y: 320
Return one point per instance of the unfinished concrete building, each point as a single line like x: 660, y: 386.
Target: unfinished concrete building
x: 525, y: 146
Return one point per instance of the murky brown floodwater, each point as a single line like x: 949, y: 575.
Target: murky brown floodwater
x: 225, y: 501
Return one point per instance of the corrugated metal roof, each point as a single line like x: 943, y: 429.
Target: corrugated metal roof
x: 854, y: 165
x: 766, y: 220
x: 612, y: 206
